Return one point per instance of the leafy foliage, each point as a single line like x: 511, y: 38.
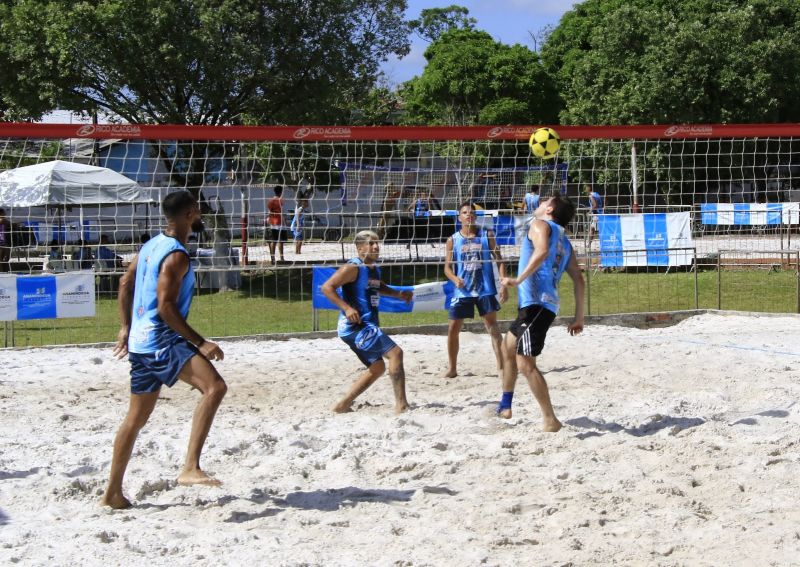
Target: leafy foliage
x: 433, y: 22
x: 677, y: 61
x: 472, y: 79
x: 197, y: 61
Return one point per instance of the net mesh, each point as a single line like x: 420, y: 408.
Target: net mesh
x: 740, y: 192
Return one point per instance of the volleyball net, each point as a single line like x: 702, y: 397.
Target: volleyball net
x: 648, y: 197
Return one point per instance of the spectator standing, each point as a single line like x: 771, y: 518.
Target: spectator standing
x: 275, y: 224
x: 297, y: 223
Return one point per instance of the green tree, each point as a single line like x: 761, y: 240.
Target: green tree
x: 667, y: 61
x: 433, y: 22
x: 472, y: 79
x: 197, y: 61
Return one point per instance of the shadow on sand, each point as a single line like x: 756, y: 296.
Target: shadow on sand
x: 652, y: 426
x: 336, y: 498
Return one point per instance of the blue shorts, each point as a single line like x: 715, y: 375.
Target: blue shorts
x: 464, y: 307
x: 369, y: 343
x: 297, y: 234
x: 152, y: 370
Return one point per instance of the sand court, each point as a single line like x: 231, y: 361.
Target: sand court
x: 680, y: 445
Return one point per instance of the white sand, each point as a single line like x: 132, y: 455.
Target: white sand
x: 680, y: 447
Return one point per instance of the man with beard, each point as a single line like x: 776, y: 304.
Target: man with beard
x: 154, y: 298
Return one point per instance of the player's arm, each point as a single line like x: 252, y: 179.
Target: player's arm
x: 406, y: 296
x: 173, y: 270
x: 448, y: 264
x: 578, y: 286
x: 344, y: 275
x: 501, y: 266
x: 125, y: 305
x: 539, y: 233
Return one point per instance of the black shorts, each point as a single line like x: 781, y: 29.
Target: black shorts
x: 277, y: 234
x: 530, y: 328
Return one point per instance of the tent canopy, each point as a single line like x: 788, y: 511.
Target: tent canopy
x: 66, y: 183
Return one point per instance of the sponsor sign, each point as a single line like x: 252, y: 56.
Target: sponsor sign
x: 47, y: 297
x: 648, y: 239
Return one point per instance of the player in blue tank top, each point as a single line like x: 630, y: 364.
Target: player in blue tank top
x: 468, y: 258
x: 532, y: 200
x: 595, y: 207
x: 359, y: 324
x: 154, y: 298
x: 545, y: 255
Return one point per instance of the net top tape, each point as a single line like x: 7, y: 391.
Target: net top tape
x: 389, y: 133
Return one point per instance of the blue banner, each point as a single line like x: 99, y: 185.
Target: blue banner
x: 748, y: 214
x: 609, y: 227
x: 655, y: 239
x: 36, y: 298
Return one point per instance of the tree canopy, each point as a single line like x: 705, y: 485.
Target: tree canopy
x: 472, y: 79
x: 662, y: 61
x: 196, y: 61
x: 433, y: 22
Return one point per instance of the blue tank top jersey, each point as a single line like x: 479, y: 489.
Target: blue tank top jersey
x: 473, y: 259
x: 541, y: 288
x: 532, y: 201
x: 362, y: 294
x: 149, y: 333
x: 298, y: 218
x: 599, y: 200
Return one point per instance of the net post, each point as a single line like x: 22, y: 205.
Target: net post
x: 245, y: 201
x: 696, y: 283
x: 719, y: 281
x: 797, y: 279
x: 314, y: 319
x: 634, y: 181
x: 589, y: 280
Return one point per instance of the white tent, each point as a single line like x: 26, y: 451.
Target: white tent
x: 66, y: 183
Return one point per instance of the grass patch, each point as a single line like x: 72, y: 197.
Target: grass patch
x: 280, y: 302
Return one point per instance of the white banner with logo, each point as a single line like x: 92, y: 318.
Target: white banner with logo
x: 57, y: 296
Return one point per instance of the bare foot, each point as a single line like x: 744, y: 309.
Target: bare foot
x: 116, y: 501
x: 400, y: 408
x: 449, y: 373
x: 551, y: 425
x: 504, y: 413
x: 343, y: 407
x: 188, y: 478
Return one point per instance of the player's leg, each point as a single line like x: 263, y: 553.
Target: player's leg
x: 509, y: 353
x: 139, y: 410
x: 281, y: 241
x: 453, y: 332
x: 488, y: 308
x: 398, y: 375
x: 364, y: 381
x: 271, y: 243
x: 527, y: 365
x: 201, y: 374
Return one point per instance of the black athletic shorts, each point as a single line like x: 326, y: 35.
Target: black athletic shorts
x: 530, y: 328
x: 277, y: 234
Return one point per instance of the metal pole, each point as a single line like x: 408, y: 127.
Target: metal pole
x: 588, y: 281
x: 797, y: 277
x: 245, y: 201
x: 634, y: 180
x: 696, y: 286
x: 314, y: 319
x: 719, y: 282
